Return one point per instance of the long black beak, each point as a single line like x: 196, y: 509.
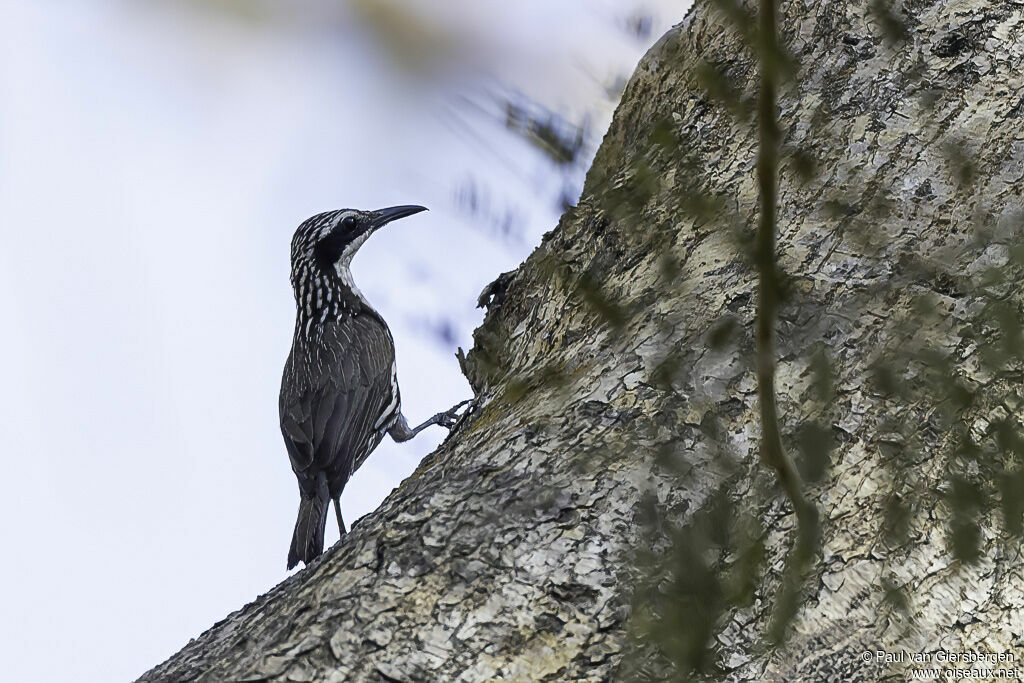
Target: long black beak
x: 393, y: 213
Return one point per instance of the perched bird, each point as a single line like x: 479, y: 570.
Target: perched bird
x: 339, y: 393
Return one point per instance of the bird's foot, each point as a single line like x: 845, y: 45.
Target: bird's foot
x: 449, y: 418
x: 400, y: 431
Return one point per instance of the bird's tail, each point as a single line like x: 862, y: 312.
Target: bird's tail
x: 308, y: 539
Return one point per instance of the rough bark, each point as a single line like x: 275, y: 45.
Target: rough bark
x: 508, y: 554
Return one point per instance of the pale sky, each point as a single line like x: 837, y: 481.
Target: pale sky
x: 155, y: 158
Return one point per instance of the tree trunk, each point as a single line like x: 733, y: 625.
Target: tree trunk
x: 616, y: 377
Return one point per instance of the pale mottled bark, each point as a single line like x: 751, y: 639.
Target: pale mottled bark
x: 507, y: 554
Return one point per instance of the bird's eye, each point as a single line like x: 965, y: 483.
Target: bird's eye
x: 348, y: 222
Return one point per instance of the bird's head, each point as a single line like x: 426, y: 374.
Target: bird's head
x: 322, y: 250
x: 326, y: 243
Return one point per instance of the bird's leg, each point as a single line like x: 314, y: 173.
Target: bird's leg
x: 401, y: 431
x: 337, y: 511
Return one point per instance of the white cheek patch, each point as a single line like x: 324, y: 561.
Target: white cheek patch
x: 341, y: 266
x: 350, y: 251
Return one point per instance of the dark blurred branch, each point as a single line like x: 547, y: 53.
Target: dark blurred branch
x: 772, y: 450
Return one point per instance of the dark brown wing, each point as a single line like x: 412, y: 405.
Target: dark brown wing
x: 336, y: 397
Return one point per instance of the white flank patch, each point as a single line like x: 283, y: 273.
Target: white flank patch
x: 393, y: 406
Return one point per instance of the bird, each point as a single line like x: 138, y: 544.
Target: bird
x: 339, y: 391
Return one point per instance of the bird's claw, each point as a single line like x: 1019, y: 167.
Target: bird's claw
x: 449, y: 418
